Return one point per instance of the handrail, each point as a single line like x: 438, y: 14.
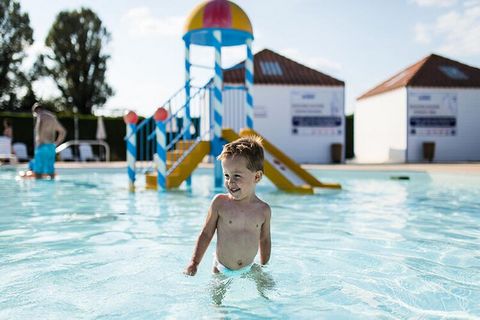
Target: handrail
x: 187, y: 152
x: 141, y: 125
x: 70, y: 143
x: 177, y: 104
x: 174, y: 115
x: 146, y: 120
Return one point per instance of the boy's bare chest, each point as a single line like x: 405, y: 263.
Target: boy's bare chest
x: 241, y: 219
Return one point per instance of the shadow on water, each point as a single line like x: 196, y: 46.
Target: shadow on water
x: 220, y: 283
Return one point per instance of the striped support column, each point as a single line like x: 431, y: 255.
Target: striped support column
x: 131, y: 119
x: 161, y: 160
x: 249, y: 84
x: 160, y: 115
x: 217, y: 108
x: 131, y: 155
x: 187, y: 117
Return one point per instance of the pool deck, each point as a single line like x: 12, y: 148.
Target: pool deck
x: 470, y: 167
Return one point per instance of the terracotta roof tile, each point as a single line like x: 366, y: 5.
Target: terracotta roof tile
x: 273, y: 68
x: 431, y: 71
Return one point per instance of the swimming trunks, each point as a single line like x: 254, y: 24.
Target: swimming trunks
x: 229, y: 272
x: 44, y: 160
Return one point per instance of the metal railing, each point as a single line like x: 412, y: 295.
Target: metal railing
x: 78, y: 143
x: 178, y: 126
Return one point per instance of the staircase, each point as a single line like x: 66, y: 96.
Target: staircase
x: 181, y: 162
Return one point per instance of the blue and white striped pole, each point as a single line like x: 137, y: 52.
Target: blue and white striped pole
x: 217, y: 108
x: 187, y: 117
x: 131, y: 119
x: 161, y: 160
x: 249, y: 84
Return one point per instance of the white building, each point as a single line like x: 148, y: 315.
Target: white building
x: 436, y: 100
x: 298, y: 109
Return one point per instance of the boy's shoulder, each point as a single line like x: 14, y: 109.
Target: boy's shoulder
x: 220, y: 198
x: 265, y: 207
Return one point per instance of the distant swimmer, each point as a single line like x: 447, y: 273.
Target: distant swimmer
x: 49, y: 133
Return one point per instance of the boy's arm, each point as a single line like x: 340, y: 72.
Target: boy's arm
x: 265, y: 240
x: 204, y: 238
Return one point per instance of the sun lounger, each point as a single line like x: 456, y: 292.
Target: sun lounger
x: 20, y: 150
x: 86, y: 153
x: 6, y: 154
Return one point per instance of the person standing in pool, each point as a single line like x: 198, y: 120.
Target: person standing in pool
x: 240, y: 218
x: 49, y: 133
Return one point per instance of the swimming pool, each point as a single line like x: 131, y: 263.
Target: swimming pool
x: 83, y: 247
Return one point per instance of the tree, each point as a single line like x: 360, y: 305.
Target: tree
x: 15, y: 35
x: 76, y: 61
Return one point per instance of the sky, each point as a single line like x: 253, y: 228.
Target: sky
x: 361, y: 42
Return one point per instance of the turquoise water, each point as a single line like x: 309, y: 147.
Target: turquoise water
x: 83, y: 247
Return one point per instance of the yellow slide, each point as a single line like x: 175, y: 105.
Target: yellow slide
x: 284, y: 172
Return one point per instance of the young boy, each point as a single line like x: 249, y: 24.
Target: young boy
x: 241, y: 219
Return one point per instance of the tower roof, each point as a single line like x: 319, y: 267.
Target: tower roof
x: 221, y: 15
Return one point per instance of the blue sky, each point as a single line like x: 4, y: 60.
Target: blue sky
x: 361, y: 42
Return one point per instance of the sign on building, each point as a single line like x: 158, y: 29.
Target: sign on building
x: 432, y: 114
x: 316, y: 113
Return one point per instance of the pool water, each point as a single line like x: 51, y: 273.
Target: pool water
x: 83, y: 247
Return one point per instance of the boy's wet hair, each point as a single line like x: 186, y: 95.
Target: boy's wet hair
x: 248, y: 147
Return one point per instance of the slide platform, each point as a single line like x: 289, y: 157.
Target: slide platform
x: 284, y: 172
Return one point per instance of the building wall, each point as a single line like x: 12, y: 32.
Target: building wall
x: 464, y: 143
x: 380, y: 128
x: 234, y: 115
x: 273, y: 116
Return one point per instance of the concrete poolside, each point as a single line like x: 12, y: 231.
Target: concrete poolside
x: 468, y: 167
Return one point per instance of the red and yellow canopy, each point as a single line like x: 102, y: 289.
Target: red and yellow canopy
x: 218, y: 14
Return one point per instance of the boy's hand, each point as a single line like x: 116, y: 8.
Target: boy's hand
x: 191, y: 269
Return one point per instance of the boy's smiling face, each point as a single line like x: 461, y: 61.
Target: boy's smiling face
x: 239, y: 180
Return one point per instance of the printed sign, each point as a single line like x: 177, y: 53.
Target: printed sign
x: 433, y: 114
x: 316, y: 113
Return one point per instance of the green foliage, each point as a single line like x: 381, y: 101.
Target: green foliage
x: 76, y: 61
x: 15, y: 35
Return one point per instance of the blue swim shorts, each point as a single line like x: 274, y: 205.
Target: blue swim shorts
x: 44, y: 160
x: 229, y: 272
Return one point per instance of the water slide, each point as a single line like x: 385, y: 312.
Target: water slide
x: 284, y: 172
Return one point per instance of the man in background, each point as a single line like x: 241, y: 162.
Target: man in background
x: 49, y: 133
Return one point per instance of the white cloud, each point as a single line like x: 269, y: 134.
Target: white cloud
x: 435, y: 3
x: 141, y: 22
x: 422, y: 33
x: 457, y: 31
x: 317, y: 62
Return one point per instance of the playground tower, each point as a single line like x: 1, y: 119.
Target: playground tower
x: 217, y: 24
